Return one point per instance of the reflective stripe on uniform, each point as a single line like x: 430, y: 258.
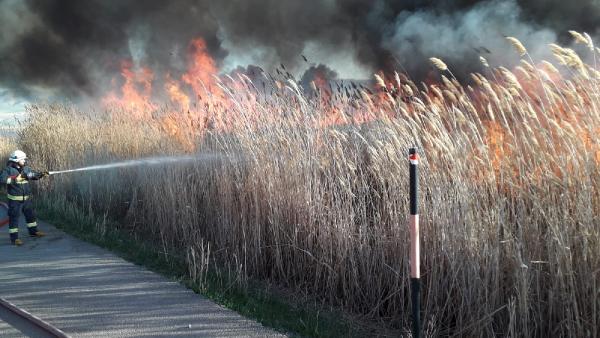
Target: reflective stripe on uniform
x: 16, y: 180
x: 13, y: 230
x: 17, y: 198
x: 32, y: 224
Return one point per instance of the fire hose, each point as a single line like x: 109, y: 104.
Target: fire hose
x: 3, y: 214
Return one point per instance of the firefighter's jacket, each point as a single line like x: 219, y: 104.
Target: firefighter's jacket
x: 17, y: 188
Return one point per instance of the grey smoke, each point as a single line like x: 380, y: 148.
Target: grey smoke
x: 72, y: 48
x: 460, y: 37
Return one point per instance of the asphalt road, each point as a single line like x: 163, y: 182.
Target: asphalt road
x: 87, y: 291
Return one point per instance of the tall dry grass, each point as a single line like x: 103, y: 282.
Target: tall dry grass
x: 7, y: 145
x: 312, y: 193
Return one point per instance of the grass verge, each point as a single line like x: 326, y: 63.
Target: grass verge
x: 257, y: 301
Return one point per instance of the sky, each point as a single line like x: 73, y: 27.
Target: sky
x: 11, y: 107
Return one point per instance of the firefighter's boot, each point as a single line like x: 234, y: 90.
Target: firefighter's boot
x: 38, y: 234
x: 17, y: 242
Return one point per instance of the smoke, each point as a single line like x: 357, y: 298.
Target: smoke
x: 72, y: 48
x: 459, y: 38
x: 69, y: 45
x: 319, y: 76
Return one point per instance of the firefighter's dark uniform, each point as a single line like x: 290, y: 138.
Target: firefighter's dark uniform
x: 19, y: 198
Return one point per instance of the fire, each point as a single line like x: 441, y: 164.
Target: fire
x: 497, y: 142
x: 196, y: 86
x: 201, y: 69
x: 198, y: 82
x: 176, y: 94
x: 136, y: 91
x: 499, y: 105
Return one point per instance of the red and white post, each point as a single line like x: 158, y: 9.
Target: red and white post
x: 415, y: 262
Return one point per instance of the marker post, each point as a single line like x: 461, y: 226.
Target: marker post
x: 415, y: 273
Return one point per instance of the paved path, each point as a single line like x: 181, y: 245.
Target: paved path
x: 87, y: 291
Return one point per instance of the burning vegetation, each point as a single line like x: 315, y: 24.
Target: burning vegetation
x: 311, y: 193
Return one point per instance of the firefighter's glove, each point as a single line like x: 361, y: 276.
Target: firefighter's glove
x: 28, y: 176
x: 44, y: 174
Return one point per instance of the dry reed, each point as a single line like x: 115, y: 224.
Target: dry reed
x: 313, y: 196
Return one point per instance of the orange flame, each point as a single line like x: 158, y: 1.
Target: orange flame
x: 136, y: 91
x: 201, y: 69
x: 176, y: 95
x: 201, y: 100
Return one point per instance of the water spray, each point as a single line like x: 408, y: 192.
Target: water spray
x: 131, y: 163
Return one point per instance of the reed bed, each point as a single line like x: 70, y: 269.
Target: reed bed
x: 310, y: 191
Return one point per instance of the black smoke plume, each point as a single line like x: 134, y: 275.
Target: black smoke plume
x: 69, y: 46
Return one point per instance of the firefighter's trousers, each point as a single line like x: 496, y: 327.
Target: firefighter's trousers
x: 14, y: 211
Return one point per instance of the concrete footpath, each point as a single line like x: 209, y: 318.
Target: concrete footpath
x: 87, y: 291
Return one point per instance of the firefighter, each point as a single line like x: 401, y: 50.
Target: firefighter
x: 17, y: 176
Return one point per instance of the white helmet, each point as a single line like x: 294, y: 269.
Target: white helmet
x: 17, y: 156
